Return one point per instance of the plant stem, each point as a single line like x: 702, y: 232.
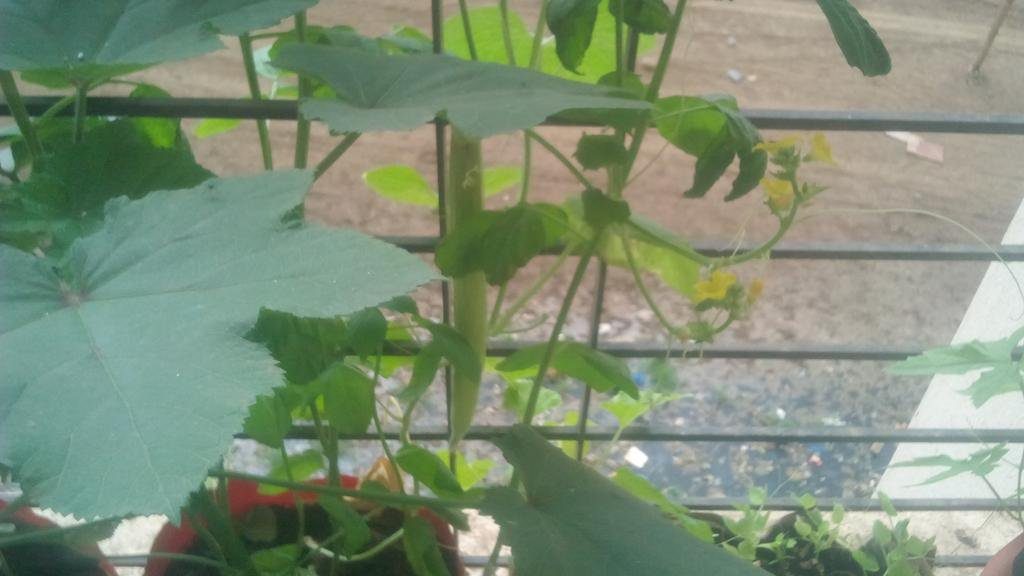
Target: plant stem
x: 388, y: 498
x: 467, y: 27
x: 376, y: 416
x: 186, y: 558
x: 305, y: 91
x: 205, y: 535
x: 499, y: 326
x: 556, y: 331
x: 13, y: 97
x: 336, y: 153
x: 506, y: 32
x: 498, y: 301
x: 245, y: 41
x: 538, y: 34
x: 638, y: 278
x: 381, y: 546
x: 561, y: 158
x: 81, y: 102
x: 300, y: 508
x: 469, y: 292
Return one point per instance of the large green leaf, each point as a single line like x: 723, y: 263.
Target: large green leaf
x: 64, y: 199
x: 859, y: 42
x: 384, y: 92
x: 572, y: 22
x: 574, y: 522
x: 89, y: 40
x: 126, y: 372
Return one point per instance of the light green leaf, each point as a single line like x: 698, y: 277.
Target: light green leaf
x: 961, y: 358
x: 627, y: 409
x: 980, y: 463
x: 162, y: 132
x: 402, y: 184
x: 1002, y: 379
x: 64, y: 198
x: 859, y: 42
x: 140, y: 336
x: 348, y: 398
x: 574, y: 522
x: 597, y: 369
x: 655, y: 250
x: 497, y: 179
x: 572, y: 22
x: 470, y: 473
x: 344, y: 517
x: 421, y: 548
x: 277, y: 561
x: 428, y: 469
x: 209, y: 127
x: 299, y: 468
x: 383, y: 92
x: 517, y: 397
x: 90, y: 40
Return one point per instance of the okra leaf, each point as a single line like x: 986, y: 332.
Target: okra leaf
x: 64, y: 198
x: 572, y: 23
x: 714, y: 131
x: 302, y: 347
x: 627, y: 409
x: 599, y: 370
x: 428, y: 469
x: 859, y: 42
x: 961, y: 358
x: 140, y: 335
x: 574, y: 522
x: 75, y: 41
x: 378, y: 92
x: 980, y: 463
x: 645, y: 16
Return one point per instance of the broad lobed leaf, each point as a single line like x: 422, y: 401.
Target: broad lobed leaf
x: 126, y: 373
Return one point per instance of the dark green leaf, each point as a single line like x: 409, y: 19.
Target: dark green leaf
x: 402, y: 305
x: 600, y: 371
x: 711, y: 166
x: 424, y: 368
x: 645, y: 16
x: 572, y: 23
x: 348, y: 398
x: 753, y: 165
x: 277, y: 561
x: 345, y: 518
x: 574, y: 522
x: 859, y: 42
x: 600, y: 211
x: 270, y: 418
x: 65, y: 197
x: 367, y: 330
x: 90, y: 40
x: 596, y: 151
x: 421, y: 548
x: 140, y: 337
x: 428, y: 469
x: 303, y: 347
x: 382, y: 92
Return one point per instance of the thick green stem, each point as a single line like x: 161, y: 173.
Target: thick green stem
x: 469, y: 292
x: 336, y: 153
x: 245, y: 41
x: 20, y: 113
x: 81, y: 102
x: 305, y: 91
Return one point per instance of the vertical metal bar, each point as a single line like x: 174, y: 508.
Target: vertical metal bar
x: 437, y: 32
x: 593, y: 340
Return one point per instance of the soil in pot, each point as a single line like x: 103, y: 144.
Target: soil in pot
x: 803, y: 559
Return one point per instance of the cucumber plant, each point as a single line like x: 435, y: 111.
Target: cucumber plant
x: 151, y: 311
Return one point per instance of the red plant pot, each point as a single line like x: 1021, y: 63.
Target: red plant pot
x: 1007, y: 562
x: 244, y: 497
x: 48, y: 558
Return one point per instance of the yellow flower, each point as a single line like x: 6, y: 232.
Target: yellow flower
x: 821, y: 151
x: 779, y: 193
x: 755, y: 290
x: 776, y: 146
x: 714, y: 288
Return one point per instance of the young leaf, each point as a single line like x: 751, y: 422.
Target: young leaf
x: 65, y: 197
x: 421, y: 548
x: 140, y: 337
x: 596, y: 151
x: 367, y: 330
x: 645, y: 16
x: 402, y: 184
x: 574, y: 522
x: 597, y: 369
x: 517, y: 397
x: 497, y: 179
x: 429, y: 469
x: 383, y: 92
x: 627, y: 409
x: 208, y: 127
x: 303, y: 347
x: 572, y: 23
x: 162, y: 132
x: 345, y: 518
x: 601, y: 211
x: 279, y: 560
x: 300, y: 467
x: 348, y: 398
x: 469, y: 474
x: 980, y: 463
x: 270, y: 418
x: 859, y: 42
x: 90, y: 40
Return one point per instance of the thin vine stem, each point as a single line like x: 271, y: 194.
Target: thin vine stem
x: 389, y: 498
x: 506, y: 32
x: 524, y: 298
x: 305, y: 91
x: 81, y: 104
x: 368, y: 554
x: 376, y: 416
x: 187, y: 558
x: 300, y: 508
x: 9, y: 87
x: 561, y: 158
x: 467, y: 28
x: 245, y: 42
x: 642, y: 286
x: 336, y: 153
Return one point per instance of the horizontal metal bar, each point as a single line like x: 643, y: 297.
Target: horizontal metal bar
x: 806, y: 251
x: 853, y: 504
x: 831, y: 120
x: 745, y: 434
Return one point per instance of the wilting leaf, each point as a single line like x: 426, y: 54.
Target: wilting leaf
x: 859, y: 42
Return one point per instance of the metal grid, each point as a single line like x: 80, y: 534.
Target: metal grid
x: 849, y: 121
